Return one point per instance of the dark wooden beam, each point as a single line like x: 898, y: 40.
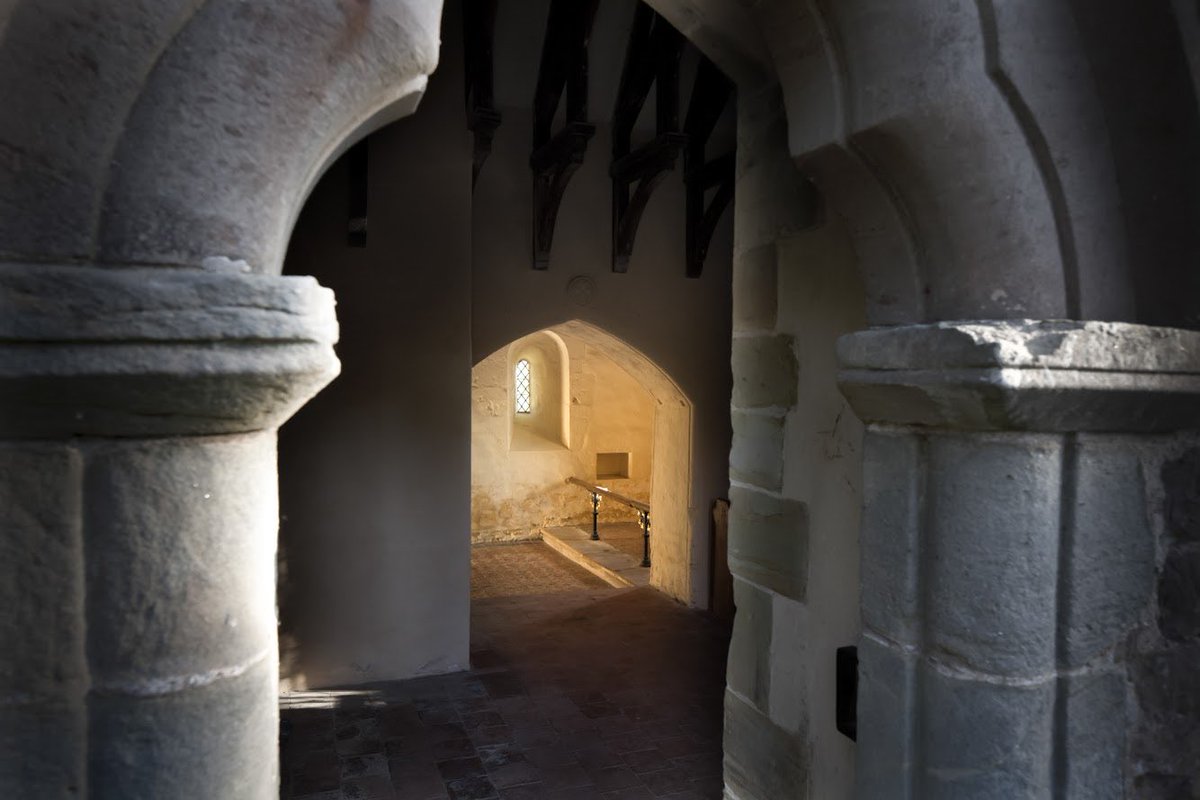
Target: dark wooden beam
x: 711, y: 93
x: 651, y: 59
x: 356, y: 194
x: 479, y: 26
x: 556, y: 157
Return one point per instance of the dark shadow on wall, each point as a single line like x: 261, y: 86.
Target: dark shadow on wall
x: 1142, y: 76
x: 374, y: 471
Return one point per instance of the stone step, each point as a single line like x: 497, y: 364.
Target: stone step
x: 601, y: 559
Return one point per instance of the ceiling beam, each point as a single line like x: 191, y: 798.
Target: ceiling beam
x: 556, y: 156
x: 479, y: 34
x: 651, y: 59
x: 711, y: 93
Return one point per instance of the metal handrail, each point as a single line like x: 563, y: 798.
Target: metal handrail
x: 611, y: 495
x: 643, y: 511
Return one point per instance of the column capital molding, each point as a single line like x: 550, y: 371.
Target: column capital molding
x: 158, y: 351
x: 1025, y: 375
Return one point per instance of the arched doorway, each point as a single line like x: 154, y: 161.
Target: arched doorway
x: 620, y: 420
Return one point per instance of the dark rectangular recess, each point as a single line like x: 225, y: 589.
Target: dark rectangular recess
x: 846, y: 712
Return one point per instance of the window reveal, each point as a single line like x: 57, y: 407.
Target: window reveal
x: 524, y: 385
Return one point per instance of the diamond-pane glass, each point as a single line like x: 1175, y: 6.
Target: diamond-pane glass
x: 524, y: 388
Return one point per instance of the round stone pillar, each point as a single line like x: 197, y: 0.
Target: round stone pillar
x: 1009, y: 549
x: 138, y: 519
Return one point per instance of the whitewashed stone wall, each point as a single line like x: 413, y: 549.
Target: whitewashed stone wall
x: 517, y: 492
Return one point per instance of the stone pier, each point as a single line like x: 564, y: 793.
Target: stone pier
x: 1009, y: 549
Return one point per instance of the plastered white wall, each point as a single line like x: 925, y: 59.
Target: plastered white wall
x: 374, y: 472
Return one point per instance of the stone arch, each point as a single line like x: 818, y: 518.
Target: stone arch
x: 973, y: 157
x: 197, y: 127
x: 676, y: 534
x: 120, y: 142
x: 152, y: 159
x: 678, y: 531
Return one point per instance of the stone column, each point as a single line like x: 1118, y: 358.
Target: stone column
x: 1009, y: 549
x: 138, y: 520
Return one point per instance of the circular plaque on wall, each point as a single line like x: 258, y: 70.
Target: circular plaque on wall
x: 581, y: 290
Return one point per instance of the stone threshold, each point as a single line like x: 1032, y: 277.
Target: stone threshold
x: 599, y: 558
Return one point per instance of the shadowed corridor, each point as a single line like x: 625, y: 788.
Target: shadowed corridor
x: 577, y: 691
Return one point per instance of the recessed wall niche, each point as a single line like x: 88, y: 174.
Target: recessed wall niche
x: 612, y: 465
x: 539, y: 392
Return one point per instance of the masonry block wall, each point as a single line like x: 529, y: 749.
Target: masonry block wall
x: 1162, y: 754
x: 795, y: 472
x: 1021, y: 600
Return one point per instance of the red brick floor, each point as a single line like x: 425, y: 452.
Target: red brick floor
x: 574, y: 695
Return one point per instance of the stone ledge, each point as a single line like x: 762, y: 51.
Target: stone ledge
x: 1024, y: 375
x: 51, y: 303
x: 1023, y: 343
x: 155, y: 352
x: 602, y: 560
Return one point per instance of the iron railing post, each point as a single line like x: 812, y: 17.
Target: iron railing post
x: 595, y: 516
x: 645, y: 520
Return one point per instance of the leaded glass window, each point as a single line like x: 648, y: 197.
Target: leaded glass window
x: 524, y: 388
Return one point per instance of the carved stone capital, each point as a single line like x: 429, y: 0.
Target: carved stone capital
x: 1027, y: 375
x: 158, y: 351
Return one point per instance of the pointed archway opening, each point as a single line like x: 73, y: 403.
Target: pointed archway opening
x: 573, y: 406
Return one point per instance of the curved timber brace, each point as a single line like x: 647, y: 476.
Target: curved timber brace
x: 479, y: 26
x: 711, y: 92
x: 564, y: 65
x: 652, y: 57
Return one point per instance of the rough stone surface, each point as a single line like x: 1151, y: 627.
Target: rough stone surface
x: 982, y: 739
x: 1181, y: 482
x: 227, y: 182
x: 1179, y: 593
x: 889, y: 536
x: 768, y: 541
x: 1163, y: 787
x: 992, y: 551
x: 1023, y: 375
x: 211, y: 742
x: 886, y: 709
x: 181, y: 589
x: 152, y: 352
x: 43, y: 675
x: 1111, y: 563
x: 49, y: 303
x: 41, y: 573
x: 1165, y: 740
x: 756, y: 455
x: 1025, y: 399
x: 43, y: 747
x: 761, y: 759
x: 749, y: 671
x: 1025, y: 344
x: 1094, y: 737
x: 764, y: 372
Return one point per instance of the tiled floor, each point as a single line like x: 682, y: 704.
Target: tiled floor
x: 575, y: 695
x: 506, y: 570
